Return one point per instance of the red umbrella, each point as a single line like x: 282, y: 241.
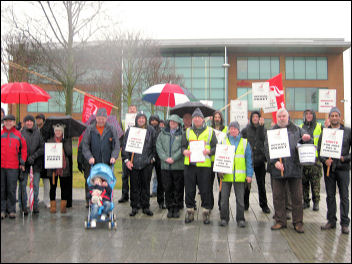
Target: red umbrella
x: 22, y: 93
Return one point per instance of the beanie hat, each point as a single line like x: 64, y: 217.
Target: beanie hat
x: 335, y: 109
x: 42, y: 116
x: 9, y: 117
x: 59, y: 127
x: 102, y: 112
x: 235, y: 124
x: 28, y: 117
x: 197, y: 112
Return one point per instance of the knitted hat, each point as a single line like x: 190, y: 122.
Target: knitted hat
x: 28, y: 117
x: 102, y: 112
x: 197, y: 112
x: 335, y: 109
x: 9, y: 117
x: 42, y: 116
x: 59, y: 127
x: 235, y: 124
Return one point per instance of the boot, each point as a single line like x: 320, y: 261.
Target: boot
x: 189, y: 215
x: 53, y: 207
x: 306, y: 205
x: 170, y: 213
x: 316, y: 206
x: 206, y: 217
x: 63, y: 206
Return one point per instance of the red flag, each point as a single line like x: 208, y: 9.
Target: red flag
x: 90, y: 107
x: 275, y: 85
x: 31, y: 195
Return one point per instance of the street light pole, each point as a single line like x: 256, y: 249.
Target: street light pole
x: 226, y: 67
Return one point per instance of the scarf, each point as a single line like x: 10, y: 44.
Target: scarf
x: 60, y: 172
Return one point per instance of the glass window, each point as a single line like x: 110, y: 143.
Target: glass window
x: 185, y: 72
x: 200, y: 73
x: 217, y: 61
x: 242, y: 66
x: 322, y: 68
x: 302, y: 98
x: 200, y: 61
x: 200, y: 83
x: 217, y: 94
x: 275, y: 66
x: 289, y: 68
x: 311, y: 68
x: 257, y: 68
x: 78, y: 100
x: 248, y: 97
x: 32, y: 107
x: 183, y: 62
x: 265, y: 70
x: 217, y: 72
x: 253, y: 68
x: 299, y: 68
x: 217, y: 83
x: 290, y: 99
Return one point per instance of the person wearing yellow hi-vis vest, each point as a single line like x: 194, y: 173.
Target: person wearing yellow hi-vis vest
x: 312, y: 173
x: 198, y: 173
x: 242, y: 172
x: 218, y: 124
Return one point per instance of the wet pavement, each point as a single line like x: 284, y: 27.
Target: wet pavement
x: 62, y: 237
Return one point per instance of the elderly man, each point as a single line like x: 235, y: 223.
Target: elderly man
x: 292, y: 174
x: 198, y: 173
x: 13, y: 158
x: 339, y: 174
x: 100, y: 141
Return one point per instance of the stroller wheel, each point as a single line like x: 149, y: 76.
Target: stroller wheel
x: 110, y: 225
x: 115, y: 225
x: 85, y: 224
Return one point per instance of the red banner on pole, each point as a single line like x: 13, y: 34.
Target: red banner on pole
x: 91, y: 106
x: 275, y: 85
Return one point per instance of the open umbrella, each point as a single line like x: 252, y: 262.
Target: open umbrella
x: 189, y: 107
x: 73, y: 127
x: 167, y: 95
x: 22, y: 93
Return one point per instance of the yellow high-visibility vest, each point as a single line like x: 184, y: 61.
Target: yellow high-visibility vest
x: 206, y: 136
x: 316, y: 135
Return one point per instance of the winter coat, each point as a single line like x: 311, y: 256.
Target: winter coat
x: 100, y: 147
x: 35, y: 148
x: 168, y: 145
x: 82, y: 163
x: 345, y: 152
x: 105, y: 192
x: 140, y: 161
x: 67, y: 145
x: 13, y: 149
x: 292, y: 167
x: 256, y: 138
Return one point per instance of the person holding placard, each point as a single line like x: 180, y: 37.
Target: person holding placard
x: 218, y: 125
x: 61, y: 173
x: 339, y: 175
x: 255, y: 133
x: 289, y: 170
x: 242, y: 173
x: 313, y: 172
x: 140, y: 166
x: 198, y: 144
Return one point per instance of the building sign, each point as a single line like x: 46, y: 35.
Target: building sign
x: 327, y: 100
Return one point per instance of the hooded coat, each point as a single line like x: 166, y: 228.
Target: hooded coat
x: 309, y: 126
x: 140, y: 161
x: 256, y: 139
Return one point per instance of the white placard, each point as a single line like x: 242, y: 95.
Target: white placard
x: 239, y: 112
x: 306, y: 153
x: 327, y: 100
x: 197, y: 147
x: 53, y: 156
x: 130, y: 120
x: 271, y: 103
x: 135, y: 140
x: 220, y: 136
x: 331, y: 143
x: 279, y: 146
x: 224, y: 158
x: 260, y: 94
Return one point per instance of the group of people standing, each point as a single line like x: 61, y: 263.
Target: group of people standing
x: 168, y: 150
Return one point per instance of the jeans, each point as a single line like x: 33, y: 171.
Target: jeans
x: 94, y: 209
x: 9, y: 179
x: 22, y: 190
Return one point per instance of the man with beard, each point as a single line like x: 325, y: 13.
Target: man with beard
x: 292, y: 174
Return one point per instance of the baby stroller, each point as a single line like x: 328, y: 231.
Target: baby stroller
x: 105, y: 172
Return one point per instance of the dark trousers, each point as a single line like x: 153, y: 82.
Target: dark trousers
x: 64, y: 185
x: 225, y: 195
x: 197, y: 176
x: 160, y: 189
x: 86, y: 173
x: 173, y: 182
x: 311, y: 178
x: 9, y: 179
x: 342, y: 179
x: 211, y: 189
x: 125, y: 175
x: 260, y: 173
x: 279, y: 199
x: 140, y: 187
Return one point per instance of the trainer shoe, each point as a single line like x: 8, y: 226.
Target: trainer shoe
x: 93, y: 223
x: 345, y: 230
x: 103, y: 217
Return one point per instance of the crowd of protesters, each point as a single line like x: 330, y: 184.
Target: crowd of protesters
x: 167, y: 150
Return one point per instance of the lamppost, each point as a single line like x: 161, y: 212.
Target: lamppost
x: 226, y: 67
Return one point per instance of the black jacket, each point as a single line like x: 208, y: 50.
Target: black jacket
x: 35, y: 148
x: 256, y: 138
x: 345, y: 152
x: 140, y: 161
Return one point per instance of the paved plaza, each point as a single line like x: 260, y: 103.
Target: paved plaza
x: 63, y: 238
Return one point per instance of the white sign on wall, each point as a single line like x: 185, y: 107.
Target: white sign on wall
x: 327, y: 100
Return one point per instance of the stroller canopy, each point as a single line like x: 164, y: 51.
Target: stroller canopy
x: 103, y: 171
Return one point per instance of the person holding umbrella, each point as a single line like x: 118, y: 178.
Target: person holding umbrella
x: 63, y: 173
x: 13, y: 158
x: 198, y: 173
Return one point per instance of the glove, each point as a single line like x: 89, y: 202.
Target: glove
x: 21, y: 176
x: 30, y: 160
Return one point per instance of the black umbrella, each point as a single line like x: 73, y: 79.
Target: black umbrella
x: 73, y: 128
x: 189, y: 107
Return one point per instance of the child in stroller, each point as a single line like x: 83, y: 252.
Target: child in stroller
x: 100, y: 182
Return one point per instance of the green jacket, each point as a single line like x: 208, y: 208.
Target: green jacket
x: 165, y: 149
